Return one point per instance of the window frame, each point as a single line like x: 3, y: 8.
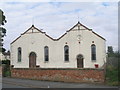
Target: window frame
x: 19, y: 53
x: 46, y: 54
x: 66, y: 55
x: 93, y: 52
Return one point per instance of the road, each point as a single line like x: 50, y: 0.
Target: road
x: 25, y: 83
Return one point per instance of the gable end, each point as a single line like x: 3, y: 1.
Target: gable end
x: 33, y: 27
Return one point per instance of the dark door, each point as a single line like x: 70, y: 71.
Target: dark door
x: 79, y: 61
x: 32, y: 60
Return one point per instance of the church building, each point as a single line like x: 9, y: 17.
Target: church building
x: 79, y: 47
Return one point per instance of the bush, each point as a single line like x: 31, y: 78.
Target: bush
x: 6, y: 62
x: 7, y: 73
x: 6, y: 68
x: 112, y: 75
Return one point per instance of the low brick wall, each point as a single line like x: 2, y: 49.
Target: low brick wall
x: 65, y: 75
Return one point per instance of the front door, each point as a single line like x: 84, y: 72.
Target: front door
x: 79, y: 61
x: 32, y: 60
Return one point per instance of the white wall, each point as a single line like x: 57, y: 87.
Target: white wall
x: 36, y: 41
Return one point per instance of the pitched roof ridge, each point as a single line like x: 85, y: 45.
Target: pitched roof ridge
x: 31, y: 28
x: 61, y: 35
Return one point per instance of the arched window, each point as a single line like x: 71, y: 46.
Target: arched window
x: 46, y: 53
x: 19, y: 54
x: 93, y: 52
x: 66, y: 53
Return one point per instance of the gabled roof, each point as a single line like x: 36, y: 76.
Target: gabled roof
x: 77, y: 25
x: 39, y: 31
x: 98, y: 35
x: 86, y: 28
x: 33, y: 27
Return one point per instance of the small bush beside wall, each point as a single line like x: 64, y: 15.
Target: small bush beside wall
x: 6, y: 68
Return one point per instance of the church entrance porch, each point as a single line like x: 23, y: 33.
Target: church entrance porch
x: 80, y: 61
x: 32, y: 60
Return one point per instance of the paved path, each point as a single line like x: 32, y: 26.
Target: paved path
x: 25, y: 83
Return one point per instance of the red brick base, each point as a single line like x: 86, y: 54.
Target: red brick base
x: 65, y: 75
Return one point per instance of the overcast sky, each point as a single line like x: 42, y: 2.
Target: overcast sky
x: 55, y: 18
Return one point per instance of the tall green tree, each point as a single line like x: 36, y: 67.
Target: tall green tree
x: 110, y: 49
x: 2, y: 29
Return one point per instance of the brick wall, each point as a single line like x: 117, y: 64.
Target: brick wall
x: 65, y: 75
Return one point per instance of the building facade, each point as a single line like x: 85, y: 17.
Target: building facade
x: 79, y: 47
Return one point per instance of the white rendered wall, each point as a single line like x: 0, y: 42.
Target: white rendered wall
x: 37, y: 41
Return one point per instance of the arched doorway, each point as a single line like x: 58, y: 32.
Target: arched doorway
x: 80, y: 61
x: 32, y: 60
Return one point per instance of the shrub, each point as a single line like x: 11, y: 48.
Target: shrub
x: 112, y: 75
x: 6, y: 62
x: 7, y: 73
x: 6, y: 68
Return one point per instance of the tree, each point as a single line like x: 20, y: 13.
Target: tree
x: 110, y: 49
x: 2, y: 30
x: 2, y: 18
x: 3, y: 50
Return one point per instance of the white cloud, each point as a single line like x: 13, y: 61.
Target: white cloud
x: 56, y: 18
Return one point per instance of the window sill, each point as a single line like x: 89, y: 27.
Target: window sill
x: 93, y: 60
x: 46, y: 61
x: 66, y: 61
x: 19, y: 62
